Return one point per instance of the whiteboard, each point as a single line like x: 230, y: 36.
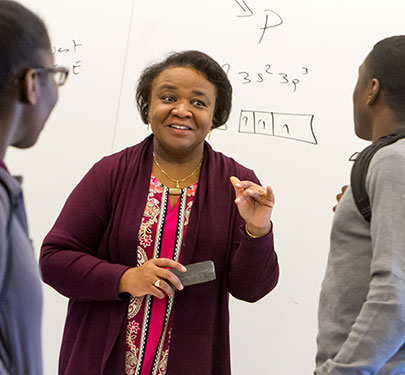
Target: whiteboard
x: 293, y: 66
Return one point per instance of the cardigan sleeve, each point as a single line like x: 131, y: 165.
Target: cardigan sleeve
x: 253, y: 270
x: 69, y: 261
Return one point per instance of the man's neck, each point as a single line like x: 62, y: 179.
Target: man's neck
x: 381, y: 131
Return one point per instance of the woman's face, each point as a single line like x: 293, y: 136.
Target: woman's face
x: 181, y: 109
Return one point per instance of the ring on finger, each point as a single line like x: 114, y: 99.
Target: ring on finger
x: 157, y: 283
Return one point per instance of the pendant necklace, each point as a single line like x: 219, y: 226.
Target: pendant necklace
x: 176, y: 190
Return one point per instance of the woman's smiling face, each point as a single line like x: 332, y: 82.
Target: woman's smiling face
x: 181, y: 109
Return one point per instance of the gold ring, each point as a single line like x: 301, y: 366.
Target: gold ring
x: 157, y: 283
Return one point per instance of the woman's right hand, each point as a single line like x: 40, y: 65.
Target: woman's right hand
x: 141, y: 280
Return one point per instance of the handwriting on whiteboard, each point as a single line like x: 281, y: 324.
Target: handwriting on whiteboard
x: 267, y: 73
x: 69, y: 54
x: 297, y: 127
x: 271, y: 17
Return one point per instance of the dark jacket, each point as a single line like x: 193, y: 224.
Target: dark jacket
x: 21, y: 304
x: 94, y: 241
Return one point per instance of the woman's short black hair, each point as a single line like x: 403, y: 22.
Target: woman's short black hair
x: 386, y: 62
x: 23, y: 36
x: 198, y: 61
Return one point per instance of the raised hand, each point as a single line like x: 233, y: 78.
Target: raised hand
x: 255, y: 204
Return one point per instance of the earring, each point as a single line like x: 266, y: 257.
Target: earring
x: 148, y: 126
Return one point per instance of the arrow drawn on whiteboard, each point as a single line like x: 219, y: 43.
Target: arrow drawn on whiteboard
x: 246, y: 10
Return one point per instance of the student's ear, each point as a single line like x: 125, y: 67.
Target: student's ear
x: 29, y: 92
x: 373, y: 91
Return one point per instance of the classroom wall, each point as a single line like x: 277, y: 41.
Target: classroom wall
x: 293, y: 66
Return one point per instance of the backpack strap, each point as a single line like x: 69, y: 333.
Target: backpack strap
x: 360, y: 168
x: 6, y: 279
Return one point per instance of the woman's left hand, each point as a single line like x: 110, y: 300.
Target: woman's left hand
x: 255, y: 204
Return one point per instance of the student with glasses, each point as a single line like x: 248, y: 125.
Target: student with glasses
x: 28, y: 93
x: 59, y: 74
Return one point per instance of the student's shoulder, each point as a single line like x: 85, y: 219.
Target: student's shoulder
x: 388, y: 164
x: 391, y: 155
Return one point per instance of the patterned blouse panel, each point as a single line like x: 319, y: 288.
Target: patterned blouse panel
x: 161, y: 234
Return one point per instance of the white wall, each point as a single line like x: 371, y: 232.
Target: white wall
x: 319, y: 43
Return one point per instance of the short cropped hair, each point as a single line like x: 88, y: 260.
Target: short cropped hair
x: 22, y: 36
x: 198, y: 61
x: 386, y: 62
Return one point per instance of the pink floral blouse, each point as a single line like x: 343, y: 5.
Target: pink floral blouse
x: 161, y: 235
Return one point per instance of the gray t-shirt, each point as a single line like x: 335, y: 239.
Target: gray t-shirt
x: 362, y: 303
x: 21, y: 307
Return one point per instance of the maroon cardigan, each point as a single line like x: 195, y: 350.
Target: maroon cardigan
x: 94, y: 241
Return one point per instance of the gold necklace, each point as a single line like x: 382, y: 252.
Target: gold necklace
x: 176, y: 190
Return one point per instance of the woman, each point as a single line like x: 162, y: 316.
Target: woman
x: 157, y: 205
x: 28, y: 93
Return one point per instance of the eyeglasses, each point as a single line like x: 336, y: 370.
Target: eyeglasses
x: 60, y: 73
